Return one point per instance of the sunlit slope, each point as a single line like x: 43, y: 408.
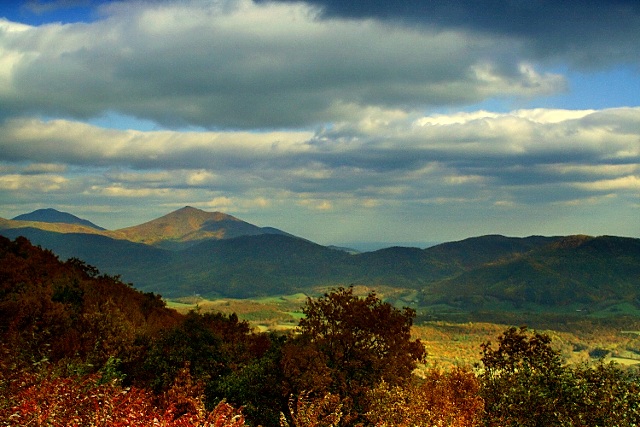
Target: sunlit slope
x: 188, y: 226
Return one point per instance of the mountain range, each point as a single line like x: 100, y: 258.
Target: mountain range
x: 176, y: 230
x: 191, y: 251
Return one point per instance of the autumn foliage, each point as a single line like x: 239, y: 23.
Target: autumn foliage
x: 439, y: 399
x: 78, y: 348
x: 86, y: 402
x: 75, y: 346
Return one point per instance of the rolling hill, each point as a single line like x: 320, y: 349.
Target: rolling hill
x: 212, y: 254
x: 579, y: 271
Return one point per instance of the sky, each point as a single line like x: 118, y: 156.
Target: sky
x: 357, y: 123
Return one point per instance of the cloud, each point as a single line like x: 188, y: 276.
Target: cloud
x: 86, y: 145
x: 504, y: 160
x: 123, y: 192
x: 589, y: 33
x: 349, y: 115
x: 317, y: 204
x: 38, y: 184
x: 44, y: 168
x: 586, y: 201
x: 525, y: 171
x: 239, y: 64
x: 631, y: 182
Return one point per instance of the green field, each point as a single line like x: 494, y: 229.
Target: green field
x: 453, y: 337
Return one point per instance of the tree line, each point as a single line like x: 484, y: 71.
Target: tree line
x: 82, y: 348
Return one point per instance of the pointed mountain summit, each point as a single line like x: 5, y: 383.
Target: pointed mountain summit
x: 50, y: 215
x: 188, y: 226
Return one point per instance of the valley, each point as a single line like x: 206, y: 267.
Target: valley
x: 113, y: 340
x: 586, y: 289
x: 190, y: 251
x: 450, y: 340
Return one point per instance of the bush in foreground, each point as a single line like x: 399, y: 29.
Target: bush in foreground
x: 31, y: 399
x: 439, y: 399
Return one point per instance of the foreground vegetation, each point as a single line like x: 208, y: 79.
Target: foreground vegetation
x: 79, y: 348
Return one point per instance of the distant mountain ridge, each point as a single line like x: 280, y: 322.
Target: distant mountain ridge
x: 177, y: 230
x: 190, y: 251
x: 573, y: 270
x: 54, y: 216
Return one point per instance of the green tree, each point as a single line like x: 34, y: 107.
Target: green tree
x: 525, y: 382
x: 605, y: 395
x: 522, y: 380
x: 257, y: 387
x: 212, y: 344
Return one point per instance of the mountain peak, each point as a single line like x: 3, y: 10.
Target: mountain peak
x: 187, y: 226
x: 188, y: 210
x: 50, y: 215
x: 191, y: 217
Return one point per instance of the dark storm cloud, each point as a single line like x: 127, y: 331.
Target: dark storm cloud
x: 590, y: 33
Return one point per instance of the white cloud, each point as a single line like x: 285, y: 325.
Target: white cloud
x: 125, y: 192
x: 515, y: 163
x: 140, y: 177
x: 586, y: 201
x: 40, y: 184
x: 319, y: 115
x: 622, y: 183
x: 240, y: 64
x: 470, y: 150
x: 546, y: 115
x: 222, y: 203
x: 526, y: 82
x: 464, y: 179
x: 201, y: 177
x: 597, y: 170
x: 317, y: 204
x: 234, y: 204
x: 83, y: 144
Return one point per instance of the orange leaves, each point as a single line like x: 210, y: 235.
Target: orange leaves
x: 84, y: 402
x: 57, y: 401
x: 314, y: 412
x: 448, y: 399
x: 57, y: 310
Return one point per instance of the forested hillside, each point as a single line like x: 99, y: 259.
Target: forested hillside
x: 575, y: 272
x: 80, y: 348
x: 486, y: 273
